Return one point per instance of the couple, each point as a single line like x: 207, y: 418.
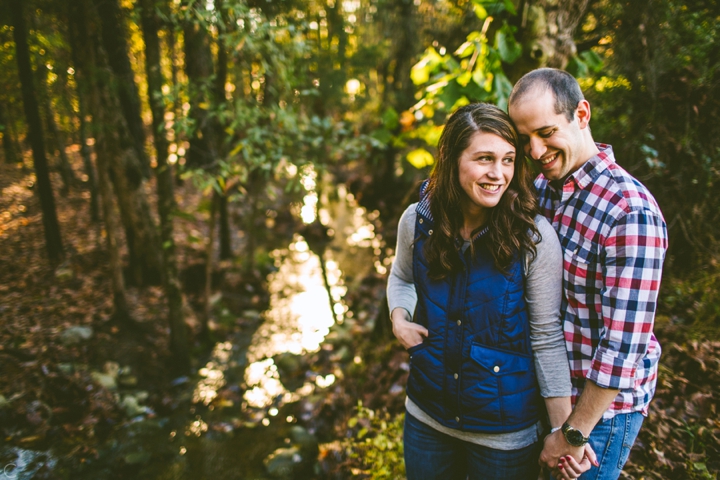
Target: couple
x: 507, y: 283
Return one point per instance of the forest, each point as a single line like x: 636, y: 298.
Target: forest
x: 198, y: 212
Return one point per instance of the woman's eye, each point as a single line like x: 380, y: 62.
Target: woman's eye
x: 509, y: 160
x: 484, y: 159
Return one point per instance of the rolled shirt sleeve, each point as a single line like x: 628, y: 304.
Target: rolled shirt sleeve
x: 632, y: 260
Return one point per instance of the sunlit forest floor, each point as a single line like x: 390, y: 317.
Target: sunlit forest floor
x: 53, y: 381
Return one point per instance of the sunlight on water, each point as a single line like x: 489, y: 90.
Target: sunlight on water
x: 301, y: 312
x: 310, y: 201
x: 212, y: 373
x: 298, y: 320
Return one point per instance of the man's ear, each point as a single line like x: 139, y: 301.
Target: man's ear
x: 582, y: 113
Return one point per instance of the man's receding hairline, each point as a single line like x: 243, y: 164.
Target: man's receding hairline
x: 533, y: 85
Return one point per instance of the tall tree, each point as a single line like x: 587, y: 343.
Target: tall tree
x: 124, y: 164
x: 163, y: 173
x: 57, y: 141
x: 8, y: 145
x: 199, y: 69
x: 88, y: 77
x: 219, y: 94
x: 53, y: 238
x: 115, y: 41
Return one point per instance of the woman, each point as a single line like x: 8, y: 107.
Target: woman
x: 482, y: 273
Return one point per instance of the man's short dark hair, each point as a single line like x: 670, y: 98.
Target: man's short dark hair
x: 563, y: 85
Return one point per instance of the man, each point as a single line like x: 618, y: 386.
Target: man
x: 614, y: 240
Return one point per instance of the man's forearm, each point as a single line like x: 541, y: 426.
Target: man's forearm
x: 591, y: 405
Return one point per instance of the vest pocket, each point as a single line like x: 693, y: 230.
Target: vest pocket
x: 425, y: 372
x: 500, y: 385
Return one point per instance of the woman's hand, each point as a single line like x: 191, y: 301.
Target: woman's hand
x: 568, y: 468
x: 408, y: 333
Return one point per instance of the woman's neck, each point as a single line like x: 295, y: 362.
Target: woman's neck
x: 474, y: 217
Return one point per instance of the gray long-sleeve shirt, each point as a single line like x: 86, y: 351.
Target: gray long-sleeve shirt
x: 543, y: 294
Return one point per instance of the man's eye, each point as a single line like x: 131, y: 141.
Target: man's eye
x: 547, y: 134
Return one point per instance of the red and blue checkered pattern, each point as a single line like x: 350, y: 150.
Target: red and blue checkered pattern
x: 614, y: 240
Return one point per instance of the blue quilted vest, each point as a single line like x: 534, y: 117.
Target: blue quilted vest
x: 475, y: 371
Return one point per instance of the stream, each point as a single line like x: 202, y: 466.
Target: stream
x: 250, y: 411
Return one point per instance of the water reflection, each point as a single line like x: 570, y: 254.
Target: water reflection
x: 302, y: 311
x: 213, y: 377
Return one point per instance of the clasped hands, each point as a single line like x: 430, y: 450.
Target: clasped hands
x: 561, y: 458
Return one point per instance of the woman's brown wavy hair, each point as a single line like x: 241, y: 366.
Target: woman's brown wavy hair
x: 512, y: 224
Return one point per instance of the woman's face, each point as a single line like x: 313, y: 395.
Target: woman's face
x: 485, y: 170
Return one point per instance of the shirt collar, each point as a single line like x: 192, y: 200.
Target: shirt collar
x: 590, y: 170
x: 423, y: 209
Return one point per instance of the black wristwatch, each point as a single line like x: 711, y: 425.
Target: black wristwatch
x: 574, y: 436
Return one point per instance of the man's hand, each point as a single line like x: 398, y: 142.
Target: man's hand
x: 408, y: 333
x: 557, y: 447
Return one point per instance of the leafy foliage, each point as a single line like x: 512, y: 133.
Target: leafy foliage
x: 376, y: 445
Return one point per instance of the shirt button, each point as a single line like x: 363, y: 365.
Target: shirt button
x: 430, y: 232
x: 421, y: 220
x: 459, y: 322
x: 457, y: 419
x: 456, y: 376
x: 496, y: 369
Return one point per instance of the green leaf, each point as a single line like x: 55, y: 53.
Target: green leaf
x: 420, y: 72
x: 390, y: 119
x: 510, y: 7
x: 503, y: 87
x: 508, y: 48
x: 480, y: 11
x: 577, y: 67
x: 420, y: 158
x: 592, y: 60
x: 450, y: 94
x: 382, y: 135
x: 464, y: 78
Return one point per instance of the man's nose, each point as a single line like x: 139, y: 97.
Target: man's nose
x: 536, y: 148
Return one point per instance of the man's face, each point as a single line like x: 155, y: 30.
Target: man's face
x: 553, y: 143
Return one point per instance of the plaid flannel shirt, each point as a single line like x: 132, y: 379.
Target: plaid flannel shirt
x: 614, y: 239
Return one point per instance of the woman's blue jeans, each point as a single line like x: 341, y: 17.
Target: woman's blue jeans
x: 612, y: 440
x: 432, y: 455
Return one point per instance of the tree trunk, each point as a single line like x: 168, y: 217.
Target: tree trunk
x: 166, y: 202
x: 56, y: 136
x: 83, y: 89
x: 203, y: 150
x: 123, y: 162
x: 220, y: 80
x: 87, y: 157
x: 8, y: 144
x: 122, y: 311
x: 546, y: 30
x: 209, y: 248
x: 114, y: 39
x: 53, y: 239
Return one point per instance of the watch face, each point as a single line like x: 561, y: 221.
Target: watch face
x: 574, y: 437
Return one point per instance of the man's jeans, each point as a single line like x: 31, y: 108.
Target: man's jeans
x: 432, y: 455
x: 612, y: 440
